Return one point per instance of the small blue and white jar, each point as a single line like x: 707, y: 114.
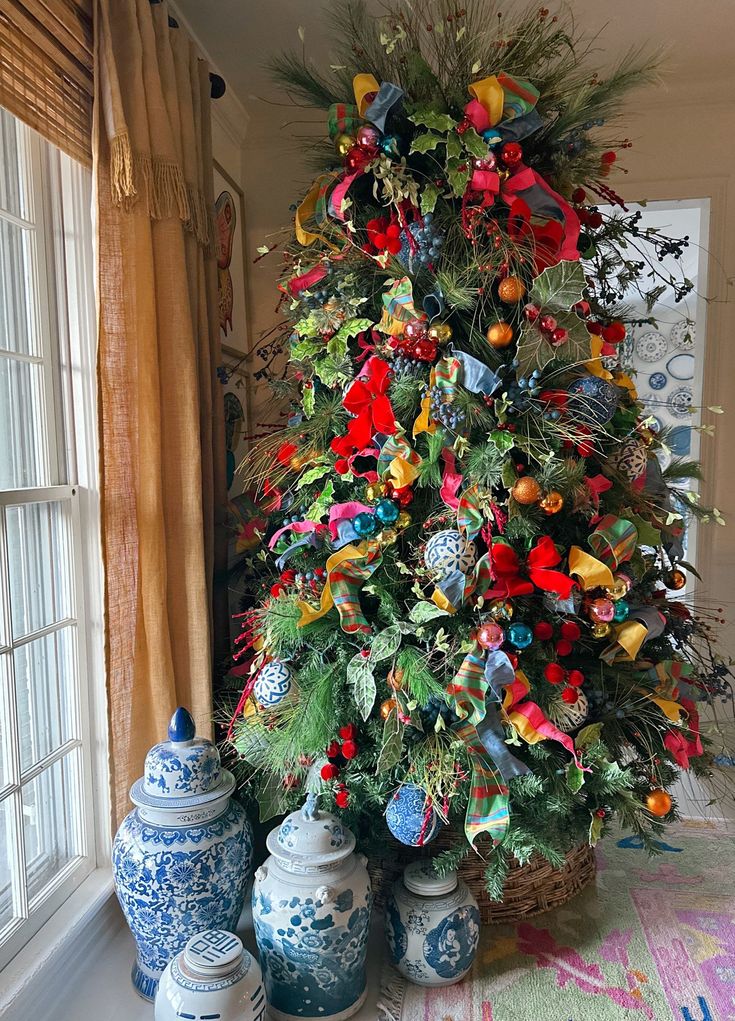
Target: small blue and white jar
x: 182, y: 859
x: 212, y: 977
x: 311, y: 910
x: 432, y: 925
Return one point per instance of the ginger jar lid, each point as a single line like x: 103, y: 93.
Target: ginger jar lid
x: 183, y: 772
x: 310, y: 837
x: 419, y: 877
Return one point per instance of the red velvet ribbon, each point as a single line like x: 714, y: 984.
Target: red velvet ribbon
x: 367, y: 400
x: 540, y: 562
x: 681, y: 747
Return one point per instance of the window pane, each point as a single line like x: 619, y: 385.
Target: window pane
x: 6, y: 770
x: 39, y: 553
x: 8, y: 863
x: 22, y: 462
x: 51, y: 807
x: 13, y: 181
x: 45, y: 672
x: 18, y: 323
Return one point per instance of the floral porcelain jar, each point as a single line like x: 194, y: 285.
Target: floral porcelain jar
x: 212, y: 977
x: 182, y: 859
x: 311, y: 909
x: 432, y: 925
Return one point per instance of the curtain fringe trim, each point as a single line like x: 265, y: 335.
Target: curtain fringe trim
x: 160, y: 185
x: 392, y: 992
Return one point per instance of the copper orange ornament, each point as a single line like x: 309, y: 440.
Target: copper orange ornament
x: 552, y: 503
x: 526, y: 490
x: 675, y: 580
x: 499, y: 335
x: 658, y: 802
x: 511, y: 290
x: 395, y: 680
x: 387, y: 708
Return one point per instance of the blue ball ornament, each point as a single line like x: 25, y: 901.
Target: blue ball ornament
x: 273, y: 683
x: 592, y: 401
x: 406, y: 816
x: 520, y: 635
x: 622, y: 610
x: 365, y: 524
x: 386, y: 511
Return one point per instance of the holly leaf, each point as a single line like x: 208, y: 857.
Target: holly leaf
x: 307, y: 400
x: 647, y: 534
x: 392, y: 744
x: 305, y: 349
x: 458, y: 177
x: 332, y: 370
x: 559, y: 286
x: 318, y: 472
x: 337, y: 345
x: 429, y: 195
x: 575, y: 777
x: 595, y: 833
x: 322, y: 503
x: 473, y: 143
x: 362, y: 682
x: 588, y: 735
x: 431, y: 119
x: 454, y: 145
x: 425, y: 143
x: 422, y: 612
x: 385, y: 644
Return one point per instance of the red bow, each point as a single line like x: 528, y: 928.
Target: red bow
x: 367, y: 400
x: 681, y: 747
x: 543, y: 557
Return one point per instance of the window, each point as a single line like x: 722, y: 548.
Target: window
x: 51, y: 671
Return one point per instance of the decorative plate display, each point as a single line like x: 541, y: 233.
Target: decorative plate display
x: 651, y: 346
x: 680, y: 440
x: 680, y: 401
x: 657, y: 380
x: 683, y: 335
x: 681, y: 366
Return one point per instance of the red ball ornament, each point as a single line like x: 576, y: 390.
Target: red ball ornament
x: 341, y: 466
x: 594, y: 219
x: 415, y: 330
x: 543, y: 631
x: 563, y: 647
x: 531, y: 312
x: 555, y: 673
x: 342, y: 799
x: 570, y: 695
x: 403, y: 497
x: 578, y: 195
x: 357, y: 159
x: 367, y: 137
x: 348, y: 732
x: 328, y: 771
x: 349, y: 749
x: 333, y: 750
x: 602, y: 611
x: 511, y: 154
x: 570, y: 630
x: 576, y: 678
x: 425, y: 350
x: 614, y: 333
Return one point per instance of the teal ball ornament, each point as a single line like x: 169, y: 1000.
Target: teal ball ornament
x: 622, y: 610
x: 592, y: 401
x: 386, y: 511
x: 520, y: 635
x: 392, y: 145
x: 365, y: 525
x: 410, y: 817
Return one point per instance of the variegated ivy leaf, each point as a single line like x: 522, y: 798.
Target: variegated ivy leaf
x: 588, y: 735
x: 421, y: 612
x: 307, y: 401
x: 322, y: 503
x: 385, y: 644
x: 575, y: 777
x: 595, y: 830
x: 318, y: 472
x: 425, y: 143
x: 503, y: 440
x: 559, y: 286
x: 362, y: 682
x: 392, y: 744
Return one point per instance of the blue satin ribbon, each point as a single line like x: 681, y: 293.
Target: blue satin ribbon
x: 433, y: 303
x: 498, y: 672
x: 387, y: 97
x: 519, y: 127
x: 476, y: 376
x: 307, y: 540
x: 492, y: 734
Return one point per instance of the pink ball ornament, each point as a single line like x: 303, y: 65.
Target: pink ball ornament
x: 490, y: 635
x: 602, y: 611
x: 368, y: 137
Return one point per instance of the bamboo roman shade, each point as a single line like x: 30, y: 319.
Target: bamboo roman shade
x: 46, y: 69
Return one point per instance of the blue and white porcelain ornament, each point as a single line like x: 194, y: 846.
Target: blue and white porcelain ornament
x: 449, y: 551
x: 182, y: 858
x: 568, y: 717
x: 410, y: 817
x: 273, y: 684
x: 212, y: 977
x: 432, y: 924
x: 311, y: 911
x: 591, y: 400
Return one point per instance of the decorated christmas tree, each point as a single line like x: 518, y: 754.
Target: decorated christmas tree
x: 464, y: 614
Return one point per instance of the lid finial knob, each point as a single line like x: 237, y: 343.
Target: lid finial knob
x: 310, y: 810
x: 182, y: 727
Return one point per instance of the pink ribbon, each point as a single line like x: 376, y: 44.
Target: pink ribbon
x: 298, y: 284
x: 341, y: 511
x: 295, y: 526
x: 451, y: 480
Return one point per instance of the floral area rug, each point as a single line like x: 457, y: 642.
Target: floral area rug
x: 653, y: 939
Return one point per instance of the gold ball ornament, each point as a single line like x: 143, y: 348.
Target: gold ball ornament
x: 299, y: 461
x: 511, y: 290
x: 387, y: 537
x: 501, y: 609
x: 601, y: 630
x: 675, y: 580
x: 499, y: 335
x: 403, y: 520
x: 526, y: 490
x: 344, y: 143
x: 552, y: 503
x: 440, y: 333
x: 387, y: 708
x: 374, y: 491
x: 619, y: 590
x: 658, y: 802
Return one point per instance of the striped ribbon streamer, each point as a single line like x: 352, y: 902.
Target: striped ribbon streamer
x: 347, y: 570
x: 614, y: 540
x: 470, y: 518
x: 487, y: 806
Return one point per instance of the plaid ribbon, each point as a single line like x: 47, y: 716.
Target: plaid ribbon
x: 469, y: 516
x: 398, y: 460
x: 614, y: 540
x: 398, y: 301
x: 347, y: 571
x: 343, y: 119
x: 487, y: 806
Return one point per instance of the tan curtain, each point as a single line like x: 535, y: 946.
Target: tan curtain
x: 161, y: 419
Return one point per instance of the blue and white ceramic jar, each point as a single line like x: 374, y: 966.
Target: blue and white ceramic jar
x: 311, y: 909
x: 212, y: 977
x: 182, y: 859
x: 432, y: 925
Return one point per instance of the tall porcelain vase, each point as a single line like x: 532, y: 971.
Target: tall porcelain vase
x: 182, y: 859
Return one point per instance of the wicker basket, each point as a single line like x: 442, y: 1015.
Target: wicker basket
x: 529, y: 889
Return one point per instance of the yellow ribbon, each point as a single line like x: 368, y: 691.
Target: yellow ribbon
x: 423, y: 423
x: 364, y: 86
x: 305, y: 212
x: 442, y: 602
x: 671, y: 709
x: 591, y: 571
x: 595, y: 367
x: 629, y: 637
x: 489, y: 94
x: 310, y: 613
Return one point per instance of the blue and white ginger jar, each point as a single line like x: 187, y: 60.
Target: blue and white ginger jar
x: 182, y: 859
x: 432, y: 925
x: 311, y: 910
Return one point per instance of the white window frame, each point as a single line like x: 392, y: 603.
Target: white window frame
x: 60, y: 206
